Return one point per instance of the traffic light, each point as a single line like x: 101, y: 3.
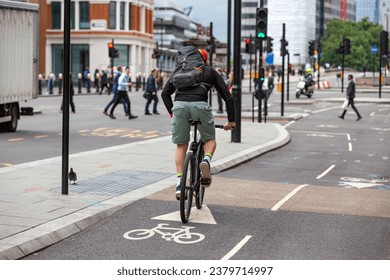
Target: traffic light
x: 116, y: 53
x: 347, y: 46
x: 289, y: 68
x: 247, y: 45
x: 111, y: 50
x: 384, y: 43
x: 261, y: 23
x: 283, y: 47
x: 311, y: 48
x: 269, y: 44
x: 156, y: 53
x: 262, y: 75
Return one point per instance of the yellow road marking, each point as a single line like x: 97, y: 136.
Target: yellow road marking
x: 15, y: 139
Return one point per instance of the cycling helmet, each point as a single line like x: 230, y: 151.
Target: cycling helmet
x: 308, y: 71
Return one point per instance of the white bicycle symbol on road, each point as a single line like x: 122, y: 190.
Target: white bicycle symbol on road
x: 179, y: 235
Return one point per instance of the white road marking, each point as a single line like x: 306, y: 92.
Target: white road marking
x: 373, y: 113
x: 350, y: 146
x: 237, y: 248
x: 287, y: 197
x: 325, y: 172
x: 288, y: 124
x: 349, y: 136
x: 200, y: 216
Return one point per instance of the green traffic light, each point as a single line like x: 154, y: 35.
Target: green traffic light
x: 262, y: 79
x: 261, y: 35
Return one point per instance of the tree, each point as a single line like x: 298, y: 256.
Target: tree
x: 363, y: 35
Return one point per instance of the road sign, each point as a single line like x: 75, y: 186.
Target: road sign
x: 269, y: 58
x: 374, y: 49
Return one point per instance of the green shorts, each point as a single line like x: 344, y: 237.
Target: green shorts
x: 182, y: 112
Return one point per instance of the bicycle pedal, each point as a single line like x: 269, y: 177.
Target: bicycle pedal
x: 205, y: 181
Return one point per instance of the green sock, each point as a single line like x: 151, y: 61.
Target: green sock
x: 178, y: 178
x: 207, y: 157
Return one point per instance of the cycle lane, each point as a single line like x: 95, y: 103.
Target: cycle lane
x: 302, y: 228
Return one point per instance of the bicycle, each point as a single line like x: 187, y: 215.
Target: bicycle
x: 191, y: 183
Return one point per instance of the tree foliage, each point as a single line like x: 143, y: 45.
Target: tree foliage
x: 363, y: 35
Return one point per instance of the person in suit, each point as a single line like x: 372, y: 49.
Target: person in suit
x: 350, y: 96
x: 151, y: 93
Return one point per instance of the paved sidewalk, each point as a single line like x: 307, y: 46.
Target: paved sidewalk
x: 34, y: 214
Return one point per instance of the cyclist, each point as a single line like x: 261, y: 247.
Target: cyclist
x: 190, y: 104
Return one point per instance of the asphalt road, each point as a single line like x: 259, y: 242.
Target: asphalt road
x: 336, y: 171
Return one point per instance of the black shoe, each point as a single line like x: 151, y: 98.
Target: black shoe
x: 219, y: 112
x: 149, y: 114
x: 359, y: 118
x: 156, y: 113
x: 341, y: 117
x: 132, y: 117
x: 105, y: 113
x: 112, y: 117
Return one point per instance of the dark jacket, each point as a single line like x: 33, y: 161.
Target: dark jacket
x: 351, y: 90
x: 210, y: 77
x: 151, y: 84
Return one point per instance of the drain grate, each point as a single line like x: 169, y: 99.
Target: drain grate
x: 118, y: 182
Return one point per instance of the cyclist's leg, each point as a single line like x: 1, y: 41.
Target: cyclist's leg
x: 180, y: 137
x: 202, y: 111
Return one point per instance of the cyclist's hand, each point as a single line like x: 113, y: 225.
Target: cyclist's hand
x: 229, y: 126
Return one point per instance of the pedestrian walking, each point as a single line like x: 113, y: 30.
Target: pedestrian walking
x: 351, y: 92
x: 123, y: 83
x: 104, y: 83
x: 96, y: 77
x: 219, y: 98
x: 71, y: 93
x: 151, y: 93
x: 115, y: 90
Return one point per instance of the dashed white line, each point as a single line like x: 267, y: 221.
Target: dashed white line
x: 287, y: 197
x: 288, y: 124
x: 325, y: 172
x: 350, y: 146
x: 237, y: 248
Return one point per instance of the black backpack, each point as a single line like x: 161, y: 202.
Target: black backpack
x: 188, y: 69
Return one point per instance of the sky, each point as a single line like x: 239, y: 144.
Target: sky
x: 206, y: 11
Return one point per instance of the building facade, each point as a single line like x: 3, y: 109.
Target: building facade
x: 304, y: 20
x: 369, y: 9
x: 94, y: 24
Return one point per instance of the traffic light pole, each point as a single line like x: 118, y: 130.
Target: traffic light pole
x: 288, y: 76
x: 342, y: 66
x: 282, y: 95
x: 236, y: 91
x: 211, y: 61
x: 66, y: 100
x: 260, y: 89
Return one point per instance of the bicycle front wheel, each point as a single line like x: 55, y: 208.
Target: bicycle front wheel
x: 186, y: 185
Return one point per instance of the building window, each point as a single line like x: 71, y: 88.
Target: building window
x: 72, y: 16
x: 84, y: 15
x: 130, y: 15
x: 122, y: 15
x: 56, y: 15
x: 112, y: 15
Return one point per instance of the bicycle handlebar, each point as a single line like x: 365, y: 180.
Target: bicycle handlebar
x: 222, y: 126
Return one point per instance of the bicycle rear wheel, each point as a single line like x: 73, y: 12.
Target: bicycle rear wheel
x: 200, y: 190
x: 187, y: 184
